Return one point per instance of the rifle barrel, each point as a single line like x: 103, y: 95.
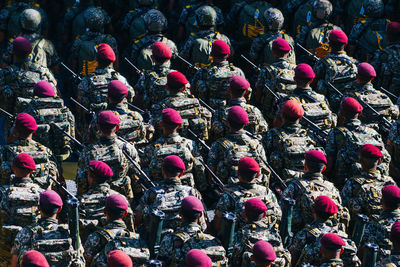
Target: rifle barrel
x: 9, y: 115
x: 389, y: 93
x: 198, y: 139
x: 250, y: 63
x: 215, y: 177
x: 186, y: 62
x: 71, y: 71
x: 63, y: 188
x: 206, y: 105
x: 136, y: 165
x: 133, y: 66
x: 68, y: 135
x: 136, y: 108
x: 79, y: 105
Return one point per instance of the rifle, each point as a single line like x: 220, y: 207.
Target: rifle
x: 206, y: 105
x: 286, y: 224
x: 370, y: 255
x: 139, y: 72
x: 389, y: 93
x: 74, y: 75
x: 9, y: 115
x: 190, y: 65
x: 157, y: 218
x: 76, y: 142
x: 314, y: 57
x: 250, y: 63
x: 136, y: 165
x: 227, y: 232
x: 85, y: 109
x: 359, y: 228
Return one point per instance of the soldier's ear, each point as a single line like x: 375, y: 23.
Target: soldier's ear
x: 117, y: 128
x: 181, y: 174
x: 341, y: 251
x: 379, y: 161
x: 324, y: 168
x: 264, y: 214
x: 59, y: 210
x: 125, y: 213
x: 180, y: 126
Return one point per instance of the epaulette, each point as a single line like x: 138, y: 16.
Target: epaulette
x: 359, y: 180
x: 315, y: 232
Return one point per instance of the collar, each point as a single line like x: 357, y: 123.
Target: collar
x: 291, y: 127
x: 352, y: 123
x: 120, y: 106
x: 302, y: 90
x: 108, y: 138
x: 172, y: 181
x: 115, y: 224
x: 339, y: 53
x: 237, y: 101
x: 21, y: 180
x: 247, y: 185
x: 48, y: 220
x: 313, y: 176
x: 221, y: 64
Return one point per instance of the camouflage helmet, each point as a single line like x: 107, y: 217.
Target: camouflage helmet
x: 274, y: 19
x: 206, y: 16
x: 322, y: 9
x: 94, y: 19
x: 30, y: 19
x: 146, y: 3
x: 155, y: 21
x: 374, y: 8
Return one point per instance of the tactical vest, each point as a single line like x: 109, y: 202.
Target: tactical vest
x: 379, y: 101
x: 268, y: 58
x: 131, y: 127
x: 143, y: 59
x: 317, y: 39
x: 282, y: 80
x: 201, y: 48
x: 156, y: 91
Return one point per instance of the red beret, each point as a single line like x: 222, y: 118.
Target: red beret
x: 117, y: 88
x: 326, y: 205
x: 239, y: 83
x: 24, y: 161
x: 281, y: 44
x: 304, y: 71
x: 338, y: 36
x: 395, y: 231
x: 35, y: 258
x: 366, y: 70
x: 173, y: 161
x: 192, y: 203
x: 100, y: 169
x: 391, y: 194
x: 43, y: 89
x: 118, y: 258
x: 117, y: 201
x: 238, y: 115
x: 351, y: 106
x: 332, y: 241
x: 22, y: 44
x: 255, y: 206
x: 108, y: 117
x: 171, y: 116
x: 50, y: 197
x: 393, y: 27
x: 161, y: 49
x: 248, y: 164
x: 176, y: 79
x: 25, y: 121
x: 292, y: 109
x: 370, y: 151
x: 197, y: 258
x: 105, y: 52
x: 220, y: 48
x: 316, y: 156
x: 264, y: 251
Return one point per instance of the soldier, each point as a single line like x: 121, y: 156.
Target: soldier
x: 238, y: 88
x: 362, y: 192
x: 118, y: 258
x: 263, y: 254
x: 171, y: 143
x: 289, y: 143
x: 392, y: 146
x: 47, y: 236
x: 21, y: 141
x: 256, y: 230
x: 394, y: 259
x: 335, y: 65
x: 344, y: 143
x: 260, y: 51
x: 19, y: 196
x: 235, y: 195
x: 166, y: 197
x: 225, y: 153
x: 100, y: 243
x: 197, y: 47
x: 212, y: 82
x: 34, y: 258
x: 198, y: 258
x: 189, y: 235
x: 108, y: 149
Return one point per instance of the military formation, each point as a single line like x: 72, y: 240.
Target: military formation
x: 199, y: 133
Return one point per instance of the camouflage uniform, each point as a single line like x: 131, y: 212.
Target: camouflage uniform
x: 392, y: 261
x: 393, y: 145
x: 186, y: 149
x: 226, y: 152
x: 133, y: 23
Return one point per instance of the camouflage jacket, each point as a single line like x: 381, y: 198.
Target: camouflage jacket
x: 308, y: 35
x: 257, y: 124
x: 133, y: 23
x: 226, y: 152
x: 186, y: 149
x: 394, y: 144
x: 235, y: 195
x: 392, y: 261
x: 331, y: 263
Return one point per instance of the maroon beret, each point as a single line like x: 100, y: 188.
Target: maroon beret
x: 391, y: 194
x: 197, y: 258
x: 105, y: 52
x: 25, y: 121
x: 338, y: 36
x: 43, y: 89
x: 108, y: 117
x: 304, y: 72
x: 24, y: 161
x: 192, y: 203
x: 22, y: 44
x: 239, y: 83
x: 238, y: 115
x: 161, y: 50
x: 220, y: 48
x: 117, y: 201
x: 332, y: 241
x: 50, y: 197
x: 35, y: 258
x: 366, y: 70
x: 351, y: 106
x: 316, y: 156
x: 117, y: 88
x: 393, y: 27
x: 100, y: 169
x: 264, y: 251
x: 281, y: 44
x: 118, y: 258
x: 292, y: 109
x: 255, y: 206
x: 174, y: 161
x: 370, y: 151
x: 176, y: 79
x: 248, y: 164
x: 395, y: 232
x: 171, y: 116
x: 325, y: 204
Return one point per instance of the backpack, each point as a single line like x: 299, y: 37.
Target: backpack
x: 339, y: 67
x: 201, y: 48
x: 131, y: 127
x: 137, y: 27
x: 268, y: 57
x: 317, y: 39
x: 251, y: 19
x: 302, y: 16
x: 380, y: 102
x: 157, y: 91
x: 143, y: 59
x: 372, y: 38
